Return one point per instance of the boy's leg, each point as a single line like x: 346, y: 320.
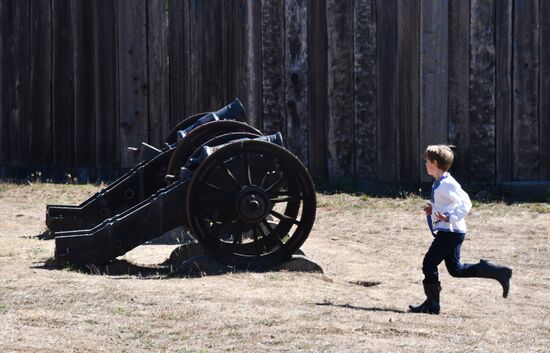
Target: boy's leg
x: 483, y: 269
x: 438, y: 251
x: 434, y: 256
x: 452, y: 260
x: 502, y: 274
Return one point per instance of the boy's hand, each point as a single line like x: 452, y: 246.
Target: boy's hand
x: 428, y: 209
x: 440, y: 216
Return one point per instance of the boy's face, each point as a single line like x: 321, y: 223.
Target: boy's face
x: 431, y: 168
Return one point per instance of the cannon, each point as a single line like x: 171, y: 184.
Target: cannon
x: 248, y: 201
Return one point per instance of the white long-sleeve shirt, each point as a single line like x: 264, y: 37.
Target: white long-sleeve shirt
x: 449, y: 199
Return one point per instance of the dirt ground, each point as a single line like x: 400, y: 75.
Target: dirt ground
x: 371, y: 251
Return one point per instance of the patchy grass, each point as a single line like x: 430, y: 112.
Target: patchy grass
x: 370, y: 248
x: 47, y: 192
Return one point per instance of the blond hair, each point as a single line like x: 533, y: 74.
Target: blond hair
x: 442, y: 154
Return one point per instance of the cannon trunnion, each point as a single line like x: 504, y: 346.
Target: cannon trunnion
x: 249, y: 201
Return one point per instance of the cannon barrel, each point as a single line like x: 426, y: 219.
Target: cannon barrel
x: 137, y: 184
x: 232, y: 111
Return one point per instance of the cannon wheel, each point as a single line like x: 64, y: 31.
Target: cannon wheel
x: 251, y: 204
x: 197, y: 137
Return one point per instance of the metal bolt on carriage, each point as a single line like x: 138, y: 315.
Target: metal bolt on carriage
x: 249, y: 201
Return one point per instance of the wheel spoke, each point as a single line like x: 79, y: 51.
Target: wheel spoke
x: 228, y: 221
x: 286, y: 199
x: 257, y: 244
x: 284, y: 217
x: 246, y: 163
x: 207, y: 212
x: 272, y: 232
x: 267, y: 225
x: 266, y: 172
x: 276, y: 183
x: 217, y: 188
x: 286, y: 193
x: 238, y: 238
x: 231, y: 176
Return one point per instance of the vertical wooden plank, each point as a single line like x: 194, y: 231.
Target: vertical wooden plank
x: 386, y: 82
x: 250, y: 75
x: 526, y: 90
x: 296, y: 78
x: 503, y: 90
x: 408, y: 88
x: 62, y: 82
x: 132, y: 63
x: 232, y: 48
x: 105, y: 61
x: 40, y: 119
x: 206, y: 58
x: 159, y: 74
x: 179, y: 60
x: 434, y: 48
x: 84, y: 144
x: 364, y: 62
x: 482, y: 91
x: 19, y: 116
x: 6, y: 27
x: 273, y: 66
x: 459, y: 74
x: 544, y: 90
x: 17, y: 81
x: 242, y: 56
x: 317, y: 82
x: 340, y: 84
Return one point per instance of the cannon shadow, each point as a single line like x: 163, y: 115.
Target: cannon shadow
x: 194, y: 267
x: 114, y: 268
x: 187, y: 261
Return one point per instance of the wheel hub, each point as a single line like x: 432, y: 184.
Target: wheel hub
x: 253, y: 204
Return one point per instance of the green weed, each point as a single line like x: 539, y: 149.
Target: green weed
x: 124, y: 311
x: 542, y: 208
x: 3, y: 188
x: 3, y: 308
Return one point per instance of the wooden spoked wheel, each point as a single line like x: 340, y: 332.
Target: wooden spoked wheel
x: 251, y: 204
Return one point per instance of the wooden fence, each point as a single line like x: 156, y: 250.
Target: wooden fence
x: 358, y: 88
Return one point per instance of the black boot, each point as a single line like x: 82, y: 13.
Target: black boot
x: 431, y: 304
x: 500, y: 273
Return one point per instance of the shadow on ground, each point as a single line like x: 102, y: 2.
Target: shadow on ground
x: 114, y: 268
x: 353, y: 307
x: 190, y: 267
x: 120, y: 267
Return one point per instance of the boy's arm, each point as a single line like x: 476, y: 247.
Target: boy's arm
x: 462, y: 201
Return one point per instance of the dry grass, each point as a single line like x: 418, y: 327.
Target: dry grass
x: 371, y: 251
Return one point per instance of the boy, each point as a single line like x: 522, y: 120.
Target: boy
x: 449, y: 205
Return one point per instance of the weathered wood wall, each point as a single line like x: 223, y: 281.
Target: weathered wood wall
x: 357, y: 87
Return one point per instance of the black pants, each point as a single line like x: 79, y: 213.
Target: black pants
x: 446, y: 247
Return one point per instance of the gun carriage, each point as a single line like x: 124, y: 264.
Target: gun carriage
x: 249, y: 201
